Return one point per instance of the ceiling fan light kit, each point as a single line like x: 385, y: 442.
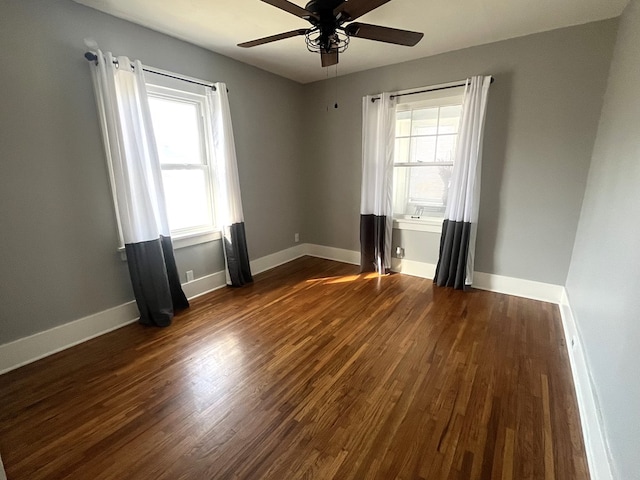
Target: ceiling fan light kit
x: 328, y: 34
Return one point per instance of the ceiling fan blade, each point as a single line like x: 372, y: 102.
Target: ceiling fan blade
x: 330, y: 58
x: 291, y: 8
x: 353, y: 9
x: 273, y: 38
x: 383, y: 34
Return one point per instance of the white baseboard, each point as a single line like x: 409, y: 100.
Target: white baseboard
x: 42, y: 344
x: 518, y: 287
x: 29, y: 349
x: 544, y: 292
x: 268, y: 262
x: 592, y: 430
x: 332, y: 253
x: 202, y: 285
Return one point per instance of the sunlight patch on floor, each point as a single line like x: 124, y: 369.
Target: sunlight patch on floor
x: 346, y: 278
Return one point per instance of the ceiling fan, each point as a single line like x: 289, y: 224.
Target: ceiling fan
x: 328, y: 34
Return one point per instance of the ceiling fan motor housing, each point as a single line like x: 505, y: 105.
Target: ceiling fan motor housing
x: 326, y: 22
x: 322, y: 6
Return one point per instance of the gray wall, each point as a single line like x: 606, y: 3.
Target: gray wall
x: 604, y: 280
x: 541, y: 123
x: 58, y: 259
x: 418, y: 246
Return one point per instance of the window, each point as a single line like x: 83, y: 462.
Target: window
x: 179, y: 123
x: 425, y: 141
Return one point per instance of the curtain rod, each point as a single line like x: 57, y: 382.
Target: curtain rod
x: 92, y: 57
x: 427, y: 90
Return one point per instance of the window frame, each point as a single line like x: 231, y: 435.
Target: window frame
x: 443, y: 97
x: 189, y: 236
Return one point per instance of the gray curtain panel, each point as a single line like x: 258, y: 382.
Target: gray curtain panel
x: 372, y: 242
x: 454, y: 249
x: 237, y: 256
x: 155, y: 281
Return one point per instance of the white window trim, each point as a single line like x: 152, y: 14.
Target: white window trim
x: 426, y: 99
x: 188, y: 240
x: 185, y: 241
x: 422, y: 224
x: 188, y: 237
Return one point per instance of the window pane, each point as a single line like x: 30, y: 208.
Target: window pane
x: 426, y: 188
x: 403, y: 124
x: 424, y: 121
x: 177, y: 132
x: 446, y: 148
x: 449, y: 119
x: 423, y: 149
x: 187, y: 200
x: 401, y: 150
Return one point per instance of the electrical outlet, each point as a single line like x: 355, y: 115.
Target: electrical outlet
x: 399, y: 252
x: 189, y: 275
x: 296, y: 237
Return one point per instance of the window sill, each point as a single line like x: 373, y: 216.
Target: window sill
x: 191, y: 239
x: 429, y: 224
x: 185, y: 240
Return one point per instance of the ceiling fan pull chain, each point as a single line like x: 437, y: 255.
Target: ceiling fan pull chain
x: 336, y: 85
x: 328, y: 90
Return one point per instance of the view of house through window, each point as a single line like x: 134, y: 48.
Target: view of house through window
x: 426, y: 134
x: 181, y: 137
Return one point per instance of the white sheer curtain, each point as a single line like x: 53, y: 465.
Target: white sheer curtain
x: 134, y: 169
x: 228, y: 198
x: 457, y: 244
x: 130, y: 147
x: 376, y: 209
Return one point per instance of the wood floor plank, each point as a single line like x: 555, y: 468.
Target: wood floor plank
x: 313, y: 372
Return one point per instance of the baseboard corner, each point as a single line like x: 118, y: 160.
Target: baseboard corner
x: 332, y: 253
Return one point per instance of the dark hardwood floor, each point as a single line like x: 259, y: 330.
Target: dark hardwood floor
x: 312, y: 372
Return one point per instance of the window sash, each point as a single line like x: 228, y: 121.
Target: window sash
x: 404, y: 205
x: 207, y: 226
x: 205, y: 164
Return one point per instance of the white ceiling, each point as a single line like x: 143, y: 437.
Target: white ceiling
x: 448, y: 25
